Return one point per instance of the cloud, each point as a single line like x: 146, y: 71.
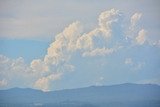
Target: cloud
x: 95, y: 42
x: 72, y: 40
x: 134, y: 65
x: 157, y: 43
x: 13, y: 70
x: 139, y: 35
x: 55, y: 61
x: 38, y: 66
x: 98, y: 52
x: 105, y: 39
x: 128, y: 61
x: 107, y: 20
x: 134, y: 19
x: 12, y: 65
x: 44, y: 82
x: 64, y: 44
x: 3, y: 83
x: 58, y: 55
x: 35, y: 75
x: 141, y: 38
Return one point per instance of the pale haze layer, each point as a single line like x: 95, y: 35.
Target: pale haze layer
x: 52, y: 45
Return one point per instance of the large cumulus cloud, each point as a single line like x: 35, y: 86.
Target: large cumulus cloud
x: 106, y: 38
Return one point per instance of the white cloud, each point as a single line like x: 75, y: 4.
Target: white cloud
x: 95, y: 42
x: 128, y: 61
x: 157, y: 43
x: 134, y: 65
x: 3, y: 83
x: 39, y: 66
x: 141, y: 38
x: 85, y: 41
x: 67, y: 42
x: 72, y: 40
x: 55, y: 61
x: 15, y: 70
x: 100, y: 41
x: 44, y: 82
x: 107, y: 20
x: 64, y: 44
x: 98, y: 52
x: 134, y: 19
x: 8, y: 65
x: 58, y: 54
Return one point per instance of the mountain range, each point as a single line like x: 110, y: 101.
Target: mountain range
x: 121, y: 95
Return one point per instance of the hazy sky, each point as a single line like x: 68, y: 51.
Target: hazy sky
x: 58, y: 44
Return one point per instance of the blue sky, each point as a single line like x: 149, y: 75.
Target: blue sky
x: 54, y: 44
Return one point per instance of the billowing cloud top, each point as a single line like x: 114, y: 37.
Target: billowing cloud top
x: 108, y: 37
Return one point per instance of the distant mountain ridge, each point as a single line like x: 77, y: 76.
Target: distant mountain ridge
x: 121, y: 95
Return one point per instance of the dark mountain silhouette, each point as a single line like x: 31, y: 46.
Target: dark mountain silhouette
x: 123, y: 95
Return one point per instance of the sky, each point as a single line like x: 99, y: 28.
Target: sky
x: 59, y: 44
